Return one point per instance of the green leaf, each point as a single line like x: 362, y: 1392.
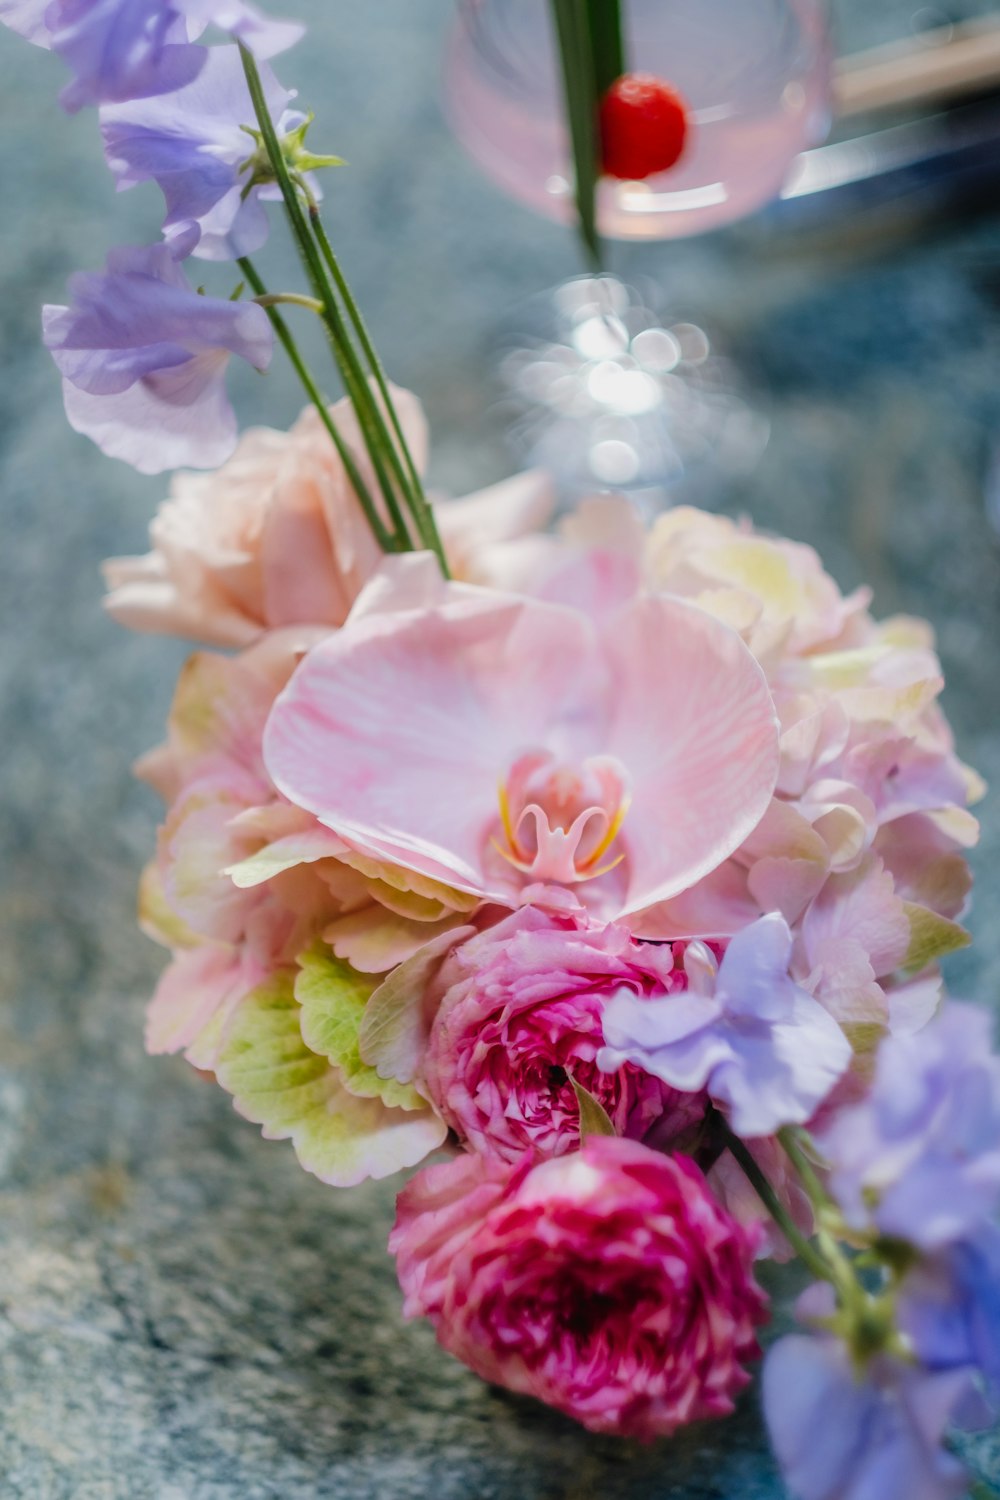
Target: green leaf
x: 572, y: 21
x: 594, y: 1119
x: 294, y: 1094
x: 395, y: 1027
x: 306, y: 161
x: 931, y: 937
x: 334, y: 997
x: 607, y: 40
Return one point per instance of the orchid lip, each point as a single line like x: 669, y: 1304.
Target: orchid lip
x: 560, y: 821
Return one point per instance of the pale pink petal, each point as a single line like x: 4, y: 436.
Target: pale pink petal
x: 607, y: 523
x: 506, y: 512
x: 375, y: 940
x: 718, y: 906
x: 843, y: 980
x: 843, y: 816
x: 673, y: 695
x: 925, y: 864
x: 785, y: 885
x: 412, y: 581
x: 696, y: 729
x: 301, y: 848
x: 193, y: 989
x: 397, y: 731
x: 598, y: 582
x: 914, y: 1004
x: 294, y: 529
x: 860, y: 907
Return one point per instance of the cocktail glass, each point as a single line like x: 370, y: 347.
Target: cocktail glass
x: 609, y: 390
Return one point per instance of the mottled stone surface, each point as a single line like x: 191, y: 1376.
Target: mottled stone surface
x: 184, y: 1314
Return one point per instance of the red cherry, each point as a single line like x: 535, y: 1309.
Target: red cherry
x: 644, y: 125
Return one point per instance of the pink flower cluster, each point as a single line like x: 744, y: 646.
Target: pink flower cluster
x: 613, y: 848
x: 608, y: 1283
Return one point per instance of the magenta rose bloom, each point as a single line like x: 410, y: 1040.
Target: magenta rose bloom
x: 608, y: 1283
x: 520, y: 1012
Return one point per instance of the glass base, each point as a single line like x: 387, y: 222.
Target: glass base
x: 607, y: 395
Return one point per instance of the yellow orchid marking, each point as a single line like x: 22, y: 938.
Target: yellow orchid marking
x: 614, y: 828
x: 512, y: 845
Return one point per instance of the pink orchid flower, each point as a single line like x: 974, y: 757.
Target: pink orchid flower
x: 519, y: 749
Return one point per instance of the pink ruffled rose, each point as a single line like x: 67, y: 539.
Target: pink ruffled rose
x: 277, y: 537
x: 274, y: 537
x: 609, y: 1284
x: 520, y: 1016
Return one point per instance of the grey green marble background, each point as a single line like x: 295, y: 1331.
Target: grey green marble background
x: 184, y: 1314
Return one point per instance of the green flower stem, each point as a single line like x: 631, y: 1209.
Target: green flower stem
x: 826, y: 1210
x: 293, y: 299
x: 370, y: 420
x: 607, y: 34
x: 383, y: 536
x: 572, y: 22
x: 373, y: 429
x: 817, y: 1194
x: 865, y: 1320
x: 422, y: 512
x: 806, y: 1252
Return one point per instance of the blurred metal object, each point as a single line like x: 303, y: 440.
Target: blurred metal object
x: 943, y: 159
x: 941, y: 155
x: 948, y: 62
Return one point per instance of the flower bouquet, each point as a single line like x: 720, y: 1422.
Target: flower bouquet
x: 613, y: 863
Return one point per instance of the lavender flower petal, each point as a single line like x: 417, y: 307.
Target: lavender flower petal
x: 920, y: 1157
x: 191, y: 144
x: 121, y: 49
x: 766, y: 1051
x: 950, y: 1307
x: 838, y: 1436
x: 263, y: 36
x: 27, y: 18
x: 143, y: 360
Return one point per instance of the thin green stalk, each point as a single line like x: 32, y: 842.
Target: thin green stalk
x: 289, y: 192
x: 576, y: 49
x: 292, y: 299
x: 823, y: 1205
x: 818, y: 1196
x: 422, y: 512
x: 385, y: 539
x: 373, y: 429
x: 607, y: 36
x: 765, y: 1192
x: 358, y: 393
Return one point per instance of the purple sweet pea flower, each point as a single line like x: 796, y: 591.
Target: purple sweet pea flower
x: 192, y: 144
x: 841, y: 1435
x: 765, y: 1050
x: 27, y: 18
x: 920, y: 1157
x: 950, y: 1307
x: 143, y: 360
x: 116, y: 49
x: 243, y: 21
x: 135, y: 49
